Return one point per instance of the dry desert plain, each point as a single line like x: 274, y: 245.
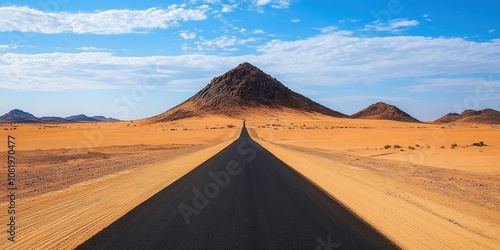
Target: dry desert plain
x: 75, y: 179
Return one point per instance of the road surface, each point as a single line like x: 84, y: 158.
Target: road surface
x: 241, y: 198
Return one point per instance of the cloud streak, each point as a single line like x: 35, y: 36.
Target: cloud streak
x: 328, y: 59
x: 394, y: 25
x: 29, y: 20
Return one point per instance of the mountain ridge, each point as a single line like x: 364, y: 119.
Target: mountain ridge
x: 485, y: 116
x: 17, y: 115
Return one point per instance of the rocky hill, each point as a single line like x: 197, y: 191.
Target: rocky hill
x: 240, y: 90
x: 486, y: 116
x: 383, y: 111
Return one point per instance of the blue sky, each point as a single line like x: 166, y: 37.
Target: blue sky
x: 135, y: 59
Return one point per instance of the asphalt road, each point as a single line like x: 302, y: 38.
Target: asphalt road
x: 241, y: 198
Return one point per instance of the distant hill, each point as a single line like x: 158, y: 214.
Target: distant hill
x: 383, y: 111
x: 238, y: 92
x: 105, y: 119
x: 17, y: 115
x: 53, y: 119
x: 486, y: 116
x: 450, y: 117
x: 81, y: 118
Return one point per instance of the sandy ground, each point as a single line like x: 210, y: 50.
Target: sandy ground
x: 72, y: 176
x: 66, y: 194
x: 420, y: 197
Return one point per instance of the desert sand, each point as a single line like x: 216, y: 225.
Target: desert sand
x: 75, y: 179
x: 76, y: 192
x: 423, y: 197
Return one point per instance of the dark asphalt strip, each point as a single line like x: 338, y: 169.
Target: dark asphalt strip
x: 241, y: 198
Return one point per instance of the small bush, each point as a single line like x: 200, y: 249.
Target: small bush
x: 231, y: 126
x: 411, y: 148
x: 478, y: 144
x: 397, y: 146
x: 454, y: 145
x: 417, y: 145
x: 387, y: 146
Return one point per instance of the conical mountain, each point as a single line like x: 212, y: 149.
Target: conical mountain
x: 239, y: 91
x: 383, y: 111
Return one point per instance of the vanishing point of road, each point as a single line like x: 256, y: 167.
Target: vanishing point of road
x: 241, y: 198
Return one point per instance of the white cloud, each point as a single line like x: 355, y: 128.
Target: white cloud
x: 427, y: 18
x: 277, y: 4
x: 228, y: 8
x: 328, y: 29
x: 340, y: 58
x: 295, y: 20
x: 187, y: 35
x: 25, y: 19
x: 258, y: 31
x: 262, y: 2
x: 5, y: 47
x: 223, y: 42
x: 394, y: 25
x: 328, y: 59
x: 403, y: 22
x: 102, y: 70
x: 351, y: 20
x: 281, y: 4
x: 92, y: 49
x: 491, y: 31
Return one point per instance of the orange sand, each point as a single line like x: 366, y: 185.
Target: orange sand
x: 429, y: 197
x: 65, y: 218
x: 423, y: 198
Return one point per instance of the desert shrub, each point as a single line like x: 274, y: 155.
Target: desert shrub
x: 387, y: 146
x: 417, y: 145
x: 454, y: 145
x: 231, y: 126
x: 411, y: 148
x: 442, y: 147
x: 478, y: 144
x: 397, y: 146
